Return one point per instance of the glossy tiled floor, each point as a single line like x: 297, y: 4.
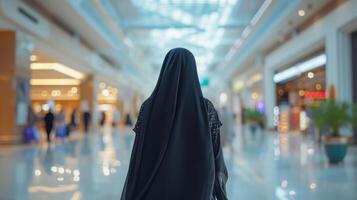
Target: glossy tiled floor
x: 261, y: 166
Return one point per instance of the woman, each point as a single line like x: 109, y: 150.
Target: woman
x: 49, y: 119
x: 177, y: 153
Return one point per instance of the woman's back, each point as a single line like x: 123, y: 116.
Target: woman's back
x: 173, y: 155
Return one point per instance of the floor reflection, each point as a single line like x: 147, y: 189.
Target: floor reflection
x: 262, y: 165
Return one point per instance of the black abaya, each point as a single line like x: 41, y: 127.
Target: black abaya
x: 176, y: 153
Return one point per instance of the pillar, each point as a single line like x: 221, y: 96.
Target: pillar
x: 88, y: 98
x: 269, y: 96
x: 338, y: 67
x: 14, y: 87
x: 120, y: 107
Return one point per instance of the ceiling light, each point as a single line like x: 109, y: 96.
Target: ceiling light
x: 318, y: 86
x: 54, y: 82
x: 238, y: 85
x: 105, y: 92
x: 74, y: 90
x: 246, y: 32
x: 59, y: 68
x: 310, y: 75
x: 300, y: 68
x: 301, y: 93
x: 301, y: 13
x: 255, y: 78
x: 56, y: 93
x: 33, y: 58
x: 260, y: 12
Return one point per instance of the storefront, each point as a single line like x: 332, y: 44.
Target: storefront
x: 247, y: 93
x: 108, y: 104
x: 299, y: 86
x: 55, y: 97
x: 55, y: 86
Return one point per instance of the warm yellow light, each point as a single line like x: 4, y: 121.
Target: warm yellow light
x: 254, y: 95
x: 310, y: 75
x: 55, y: 82
x: 59, y: 68
x: 255, y: 78
x: 56, y: 93
x: 56, y: 189
x: 105, y: 92
x: 74, y: 90
x: 33, y: 58
x: 238, y: 85
x: 301, y: 13
x: 301, y: 93
x: 318, y: 86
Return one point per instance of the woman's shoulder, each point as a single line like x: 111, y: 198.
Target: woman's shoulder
x: 144, y: 104
x: 213, y: 118
x: 209, y: 105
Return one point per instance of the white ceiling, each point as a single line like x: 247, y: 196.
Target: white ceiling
x: 136, y: 34
x: 207, y: 27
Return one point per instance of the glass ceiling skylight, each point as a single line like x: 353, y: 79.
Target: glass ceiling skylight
x: 202, y: 16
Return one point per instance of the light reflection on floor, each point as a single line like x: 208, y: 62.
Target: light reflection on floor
x: 261, y: 166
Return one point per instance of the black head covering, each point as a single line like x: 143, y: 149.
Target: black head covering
x: 172, y: 153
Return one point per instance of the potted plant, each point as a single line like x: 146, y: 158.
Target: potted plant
x: 253, y: 118
x: 330, y: 117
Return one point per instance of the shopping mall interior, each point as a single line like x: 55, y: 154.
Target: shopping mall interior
x: 282, y: 75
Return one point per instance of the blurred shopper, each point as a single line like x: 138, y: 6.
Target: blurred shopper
x: 173, y: 130
x: 227, y: 131
x: 61, y: 118
x: 128, y: 120
x: 61, y: 124
x: 30, y: 132
x: 49, y: 122
x: 116, y: 118
x: 103, y: 118
x: 86, y: 120
x: 74, y: 120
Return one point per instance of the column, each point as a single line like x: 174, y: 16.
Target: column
x: 246, y: 96
x: 120, y: 107
x: 88, y: 93
x: 14, y: 88
x: 338, y: 67
x: 269, y: 96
